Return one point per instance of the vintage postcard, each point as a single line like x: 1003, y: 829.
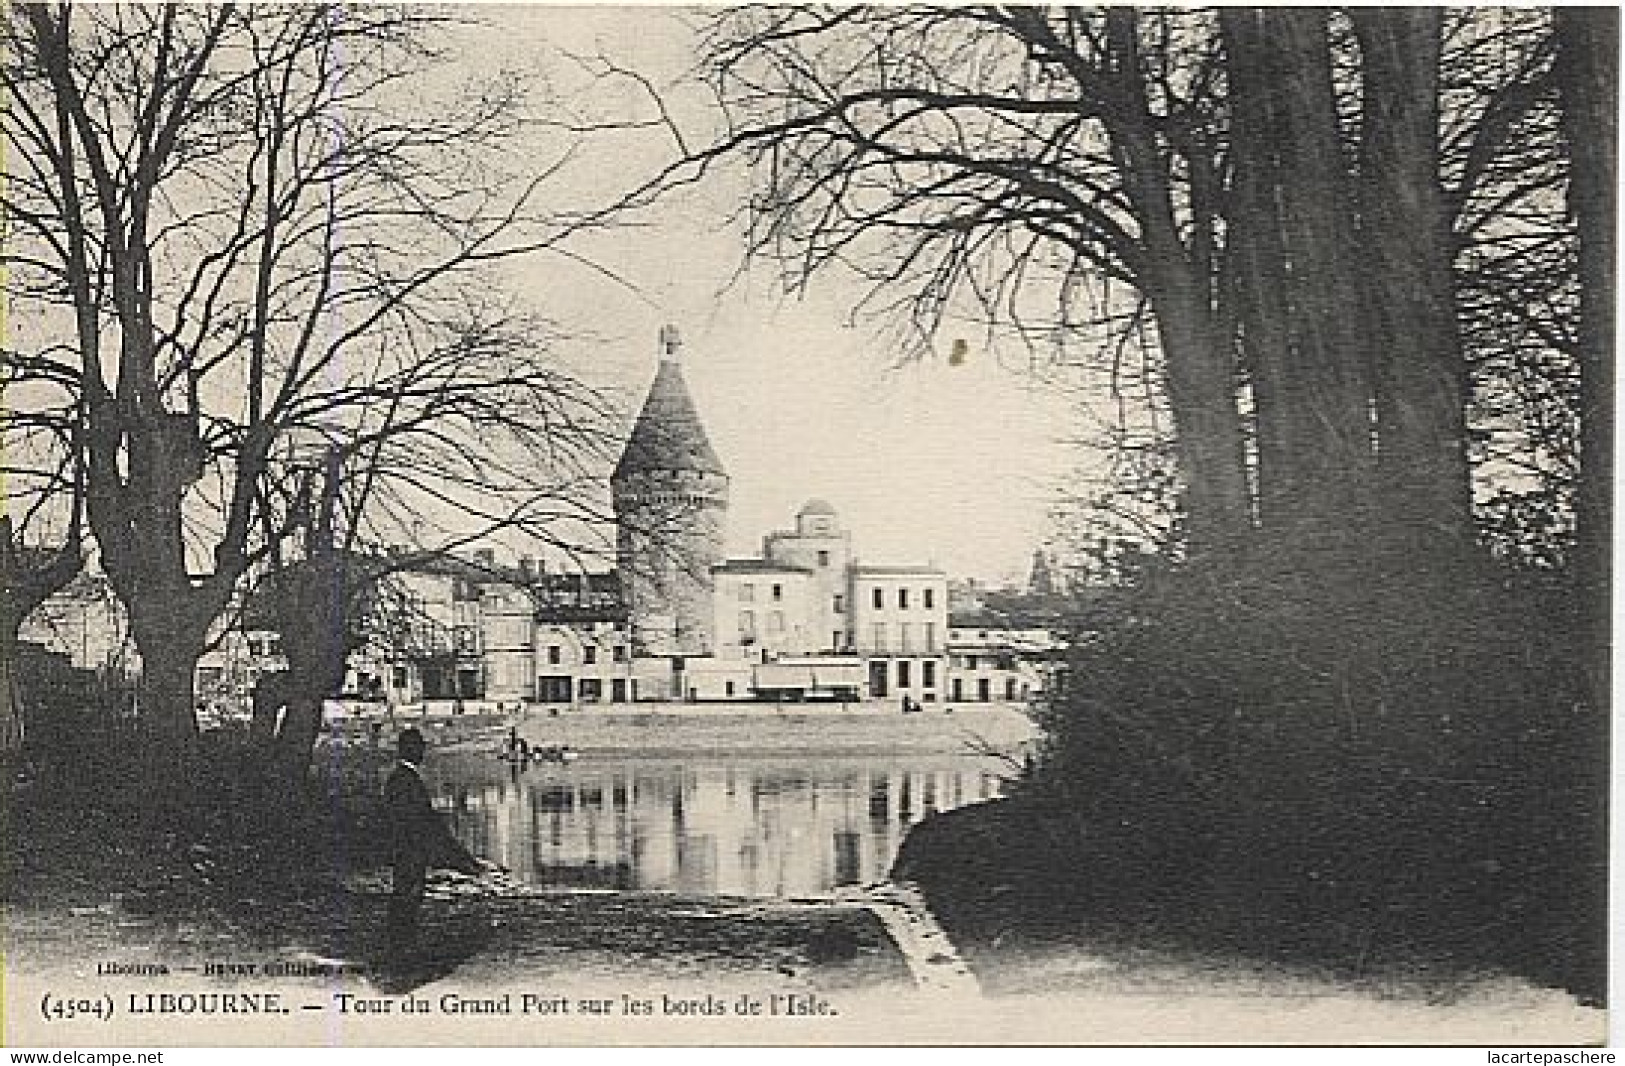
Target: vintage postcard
x: 942, y: 525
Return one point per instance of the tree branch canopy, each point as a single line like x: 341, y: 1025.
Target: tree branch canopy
x: 1006, y: 165
x: 273, y: 232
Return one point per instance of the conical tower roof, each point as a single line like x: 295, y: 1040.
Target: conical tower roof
x: 668, y: 435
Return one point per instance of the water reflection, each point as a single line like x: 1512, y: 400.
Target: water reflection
x: 757, y: 827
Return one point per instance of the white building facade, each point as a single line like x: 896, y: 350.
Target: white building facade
x: 805, y: 620
x: 899, y: 617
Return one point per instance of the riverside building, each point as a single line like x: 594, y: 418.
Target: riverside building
x: 676, y: 620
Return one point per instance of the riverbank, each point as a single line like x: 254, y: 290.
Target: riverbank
x: 771, y: 729
x: 513, y: 965
x: 1043, y: 910
x: 103, y: 901
x: 107, y: 901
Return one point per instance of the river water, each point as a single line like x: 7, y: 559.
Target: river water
x: 739, y: 825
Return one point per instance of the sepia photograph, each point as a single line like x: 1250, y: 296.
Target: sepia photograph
x: 532, y: 525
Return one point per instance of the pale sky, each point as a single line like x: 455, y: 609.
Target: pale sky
x: 923, y: 461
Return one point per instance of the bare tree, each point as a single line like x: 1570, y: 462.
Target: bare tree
x: 1290, y: 199
x: 270, y: 231
x: 42, y: 548
x: 990, y: 154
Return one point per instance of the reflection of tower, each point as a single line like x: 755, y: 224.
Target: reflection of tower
x: 671, y: 496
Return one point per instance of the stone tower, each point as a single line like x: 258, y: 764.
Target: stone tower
x: 671, y: 497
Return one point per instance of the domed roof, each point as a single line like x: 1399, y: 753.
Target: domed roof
x: 816, y: 506
x: 668, y: 435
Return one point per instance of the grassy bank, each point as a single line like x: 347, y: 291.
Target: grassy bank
x: 1397, y: 779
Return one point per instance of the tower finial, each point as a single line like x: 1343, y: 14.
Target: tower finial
x: 671, y: 344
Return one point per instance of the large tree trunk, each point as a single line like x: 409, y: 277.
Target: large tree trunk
x: 166, y: 692
x: 11, y: 696
x: 1200, y: 376
x: 140, y: 525
x: 1411, y: 309
x: 270, y: 696
x: 1200, y: 366
x: 1588, y: 41
x: 1294, y: 276
x: 1322, y: 402
x: 12, y: 614
x: 168, y: 740
x: 170, y: 646
x: 1588, y: 77
x: 296, y: 740
x: 1257, y: 264
x: 24, y: 585
x: 314, y: 606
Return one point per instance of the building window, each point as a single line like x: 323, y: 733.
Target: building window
x: 840, y: 604
x: 880, y: 599
x: 618, y: 653
x: 589, y: 655
x: 728, y: 687
x: 970, y: 662
x: 880, y: 636
x: 904, y: 675
x: 835, y: 640
x: 775, y: 622
x: 1009, y: 688
x: 747, y: 592
x: 747, y: 625
x: 400, y: 677
x: 592, y: 690
x: 555, y: 655
x: 930, y: 598
x: 823, y: 558
x: 778, y: 593
x: 905, y: 637
x: 930, y: 638
x: 902, y: 599
x: 928, y: 674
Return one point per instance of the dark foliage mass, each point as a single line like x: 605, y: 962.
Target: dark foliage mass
x: 1375, y: 776
x: 1350, y: 705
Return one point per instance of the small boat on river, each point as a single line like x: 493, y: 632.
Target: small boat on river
x: 523, y: 754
